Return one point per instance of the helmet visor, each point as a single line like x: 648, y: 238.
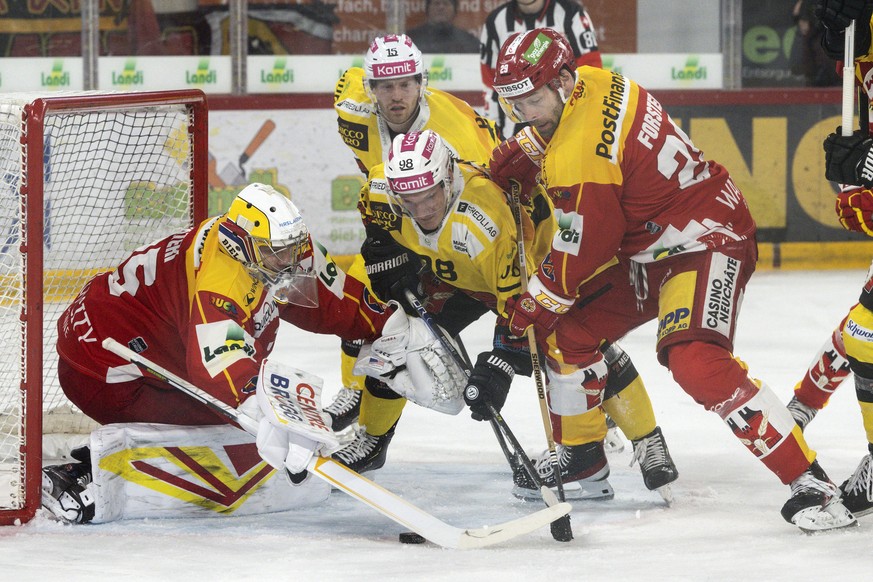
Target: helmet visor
x: 286, y: 266
x: 426, y: 207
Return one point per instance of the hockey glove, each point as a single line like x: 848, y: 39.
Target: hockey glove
x: 518, y: 158
x: 538, y: 307
x: 848, y: 160
x: 836, y: 15
x: 855, y: 210
x: 488, y: 384
x: 391, y: 268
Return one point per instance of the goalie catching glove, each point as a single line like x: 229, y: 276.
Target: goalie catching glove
x: 292, y: 426
x: 518, y: 159
x: 414, y: 364
x: 849, y: 160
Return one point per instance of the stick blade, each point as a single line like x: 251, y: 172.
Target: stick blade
x: 562, y: 531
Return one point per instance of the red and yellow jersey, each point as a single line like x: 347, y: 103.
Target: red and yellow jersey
x: 475, y: 248
x: 191, y: 308
x: 470, y: 136
x: 626, y: 181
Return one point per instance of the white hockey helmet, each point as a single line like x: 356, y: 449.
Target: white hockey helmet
x: 393, y: 56
x: 417, y: 162
x: 264, y: 231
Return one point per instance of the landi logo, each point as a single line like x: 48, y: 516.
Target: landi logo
x: 438, y: 70
x: 278, y: 74
x: 609, y: 64
x: 129, y: 75
x: 203, y: 75
x: 58, y: 76
x: 692, y: 71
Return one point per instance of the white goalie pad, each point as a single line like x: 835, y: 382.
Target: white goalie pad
x: 144, y: 470
x: 414, y: 364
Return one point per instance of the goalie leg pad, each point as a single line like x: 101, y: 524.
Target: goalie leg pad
x: 143, y: 470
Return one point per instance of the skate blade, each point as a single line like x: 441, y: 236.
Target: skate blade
x: 573, y: 491
x: 666, y: 493
x: 834, y: 515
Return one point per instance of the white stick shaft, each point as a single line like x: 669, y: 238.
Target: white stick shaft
x: 848, y: 121
x: 385, y: 502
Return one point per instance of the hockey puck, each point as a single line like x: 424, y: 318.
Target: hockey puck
x: 409, y: 537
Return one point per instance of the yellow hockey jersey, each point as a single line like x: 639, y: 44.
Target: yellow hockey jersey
x: 470, y: 136
x: 475, y: 249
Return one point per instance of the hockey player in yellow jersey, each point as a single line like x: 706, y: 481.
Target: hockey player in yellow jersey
x: 454, y: 217
x: 390, y: 95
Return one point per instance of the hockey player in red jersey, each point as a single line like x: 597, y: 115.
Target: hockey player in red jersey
x: 848, y: 162
x: 627, y: 182
x: 204, y: 304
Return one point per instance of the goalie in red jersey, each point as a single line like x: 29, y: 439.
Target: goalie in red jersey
x: 627, y: 183
x: 205, y: 304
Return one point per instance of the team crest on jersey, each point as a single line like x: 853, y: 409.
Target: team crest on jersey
x: 371, y: 302
x: 355, y: 135
x: 548, y: 268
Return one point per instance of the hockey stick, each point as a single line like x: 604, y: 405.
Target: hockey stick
x: 385, y: 502
x: 515, y: 202
x: 561, y: 529
x: 848, y: 92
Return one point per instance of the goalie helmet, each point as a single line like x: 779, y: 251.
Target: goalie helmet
x: 390, y: 57
x: 417, y: 163
x: 264, y: 231
x: 530, y: 60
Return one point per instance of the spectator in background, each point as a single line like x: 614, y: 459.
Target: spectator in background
x: 808, y: 59
x: 568, y: 17
x: 438, y: 34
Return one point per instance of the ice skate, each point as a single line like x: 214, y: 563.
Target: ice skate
x: 367, y: 452
x: 65, y: 492
x: 656, y: 465
x: 345, y: 409
x: 815, y: 503
x: 801, y: 413
x: 584, y: 472
x: 858, y: 489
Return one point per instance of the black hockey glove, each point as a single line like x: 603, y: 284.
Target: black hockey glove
x: 848, y: 160
x: 391, y: 268
x: 836, y: 15
x: 488, y: 384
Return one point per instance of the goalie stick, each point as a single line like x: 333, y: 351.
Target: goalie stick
x: 561, y: 529
x: 338, y: 475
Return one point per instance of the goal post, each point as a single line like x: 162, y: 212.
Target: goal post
x: 85, y: 178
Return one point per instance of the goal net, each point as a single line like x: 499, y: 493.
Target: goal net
x: 85, y: 178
